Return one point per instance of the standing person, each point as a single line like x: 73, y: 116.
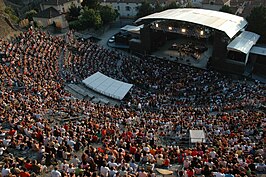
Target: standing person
x: 6, y: 170
x: 55, y: 173
x: 104, y: 170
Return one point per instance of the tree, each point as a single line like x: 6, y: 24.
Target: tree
x: 90, y: 18
x: 226, y: 9
x: 189, y: 4
x: 12, y: 14
x: 108, y: 14
x: 158, y: 7
x: 30, y: 14
x: 91, y: 4
x: 74, y: 13
x: 172, y: 5
x: 76, y: 24
x: 257, y: 22
x: 144, y: 9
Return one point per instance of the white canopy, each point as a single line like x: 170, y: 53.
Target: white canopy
x: 107, y: 86
x: 228, y: 23
x: 258, y: 50
x: 131, y: 28
x: 197, y: 136
x: 243, y: 42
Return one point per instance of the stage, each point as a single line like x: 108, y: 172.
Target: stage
x: 167, y: 52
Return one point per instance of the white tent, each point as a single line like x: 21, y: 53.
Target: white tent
x: 107, y: 86
x: 131, y: 28
x: 244, y: 42
x: 197, y: 136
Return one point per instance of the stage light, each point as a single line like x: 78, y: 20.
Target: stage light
x: 170, y: 28
x: 201, y: 32
x: 156, y: 25
x: 183, y: 30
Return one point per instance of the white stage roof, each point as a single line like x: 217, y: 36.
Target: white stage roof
x: 258, y: 50
x: 197, y: 136
x: 107, y: 86
x: 244, y: 42
x: 228, y: 23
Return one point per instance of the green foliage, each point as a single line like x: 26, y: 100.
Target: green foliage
x: 91, y: 4
x: 158, y: 7
x: 90, y: 18
x: 257, y: 22
x: 226, y: 9
x: 172, y: 5
x: 108, y: 14
x: 76, y: 24
x: 189, y: 4
x: 9, y: 10
x: 144, y: 9
x: 92, y: 15
x: 30, y: 14
x: 74, y: 13
x: 11, y: 13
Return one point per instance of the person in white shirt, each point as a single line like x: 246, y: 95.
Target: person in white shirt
x: 55, y: 173
x: 113, y: 164
x: 212, y: 154
x: 2, y: 150
x: 75, y: 161
x: 6, y: 170
x: 6, y: 142
x: 71, y: 168
x: 139, y: 106
x: 71, y: 142
x: 123, y: 172
x: 112, y: 172
x: 64, y: 166
x: 40, y: 125
x: 104, y: 171
x: 159, y: 161
x: 133, y: 165
x: 186, y: 163
x: 218, y: 174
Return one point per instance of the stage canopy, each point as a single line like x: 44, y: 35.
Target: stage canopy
x: 107, y: 86
x: 258, y: 50
x: 228, y: 23
x: 244, y: 42
x: 131, y: 28
x: 197, y: 136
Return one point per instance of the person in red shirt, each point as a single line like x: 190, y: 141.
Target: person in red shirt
x: 12, y: 132
x: 132, y: 149
x: 190, y: 172
x: 103, y: 132
x: 28, y: 165
x: 94, y: 138
x: 66, y: 127
x: 24, y: 173
x: 194, y: 152
x: 166, y: 162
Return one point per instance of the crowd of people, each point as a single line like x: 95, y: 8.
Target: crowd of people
x: 129, y: 140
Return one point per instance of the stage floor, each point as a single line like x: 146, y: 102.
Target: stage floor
x: 164, y: 52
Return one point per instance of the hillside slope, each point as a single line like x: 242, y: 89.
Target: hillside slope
x: 5, y: 28
x: 2, y: 5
